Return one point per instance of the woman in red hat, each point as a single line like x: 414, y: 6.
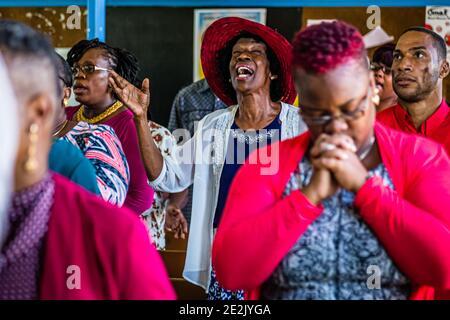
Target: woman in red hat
x: 247, y: 65
x: 357, y: 211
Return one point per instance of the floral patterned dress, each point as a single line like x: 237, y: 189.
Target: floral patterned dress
x: 155, y: 217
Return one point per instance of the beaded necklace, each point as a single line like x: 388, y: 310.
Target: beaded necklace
x: 79, y: 116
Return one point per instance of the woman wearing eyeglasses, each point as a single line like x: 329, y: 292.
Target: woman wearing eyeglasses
x: 381, y: 67
x: 357, y: 211
x: 96, y: 144
x: 91, y: 62
x: 59, y: 241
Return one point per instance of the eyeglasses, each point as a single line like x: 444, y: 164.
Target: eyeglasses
x: 374, y: 66
x: 325, y: 119
x: 87, y: 69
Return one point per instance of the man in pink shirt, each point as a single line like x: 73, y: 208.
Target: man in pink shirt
x: 419, y: 68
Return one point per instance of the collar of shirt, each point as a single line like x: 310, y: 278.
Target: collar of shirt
x: 203, y: 86
x: 430, y: 125
x: 205, y: 89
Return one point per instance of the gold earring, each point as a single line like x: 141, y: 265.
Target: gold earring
x: 31, y: 164
x: 65, y: 102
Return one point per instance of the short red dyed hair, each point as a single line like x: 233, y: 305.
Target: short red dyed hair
x: 322, y: 47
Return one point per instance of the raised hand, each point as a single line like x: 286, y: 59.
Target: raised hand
x: 135, y: 99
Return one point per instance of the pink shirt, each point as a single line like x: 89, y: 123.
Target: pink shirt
x: 436, y: 127
x: 105, y: 248
x: 140, y: 194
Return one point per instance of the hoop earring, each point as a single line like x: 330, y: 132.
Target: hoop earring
x: 31, y: 164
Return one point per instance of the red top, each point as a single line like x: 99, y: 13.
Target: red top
x: 109, y: 246
x: 140, y: 195
x: 436, y: 127
x: 411, y: 222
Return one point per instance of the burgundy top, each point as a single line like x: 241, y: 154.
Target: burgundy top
x: 95, y: 250
x: 140, y: 195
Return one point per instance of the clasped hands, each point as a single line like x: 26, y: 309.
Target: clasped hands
x: 335, y: 164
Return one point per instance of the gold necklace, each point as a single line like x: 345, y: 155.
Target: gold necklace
x: 61, y: 129
x: 79, y: 116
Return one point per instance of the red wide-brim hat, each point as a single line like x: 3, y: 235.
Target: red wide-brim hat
x: 218, y: 36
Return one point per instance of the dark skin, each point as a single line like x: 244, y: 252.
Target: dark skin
x: 93, y: 90
x: 62, y: 126
x: 339, y: 166
x: 138, y: 101
x: 256, y: 109
x: 175, y: 220
x: 418, y: 74
x: 383, y: 81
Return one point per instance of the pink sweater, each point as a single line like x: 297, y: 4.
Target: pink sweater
x: 411, y: 222
x: 108, y: 245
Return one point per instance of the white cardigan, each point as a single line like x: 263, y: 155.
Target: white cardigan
x: 200, y: 161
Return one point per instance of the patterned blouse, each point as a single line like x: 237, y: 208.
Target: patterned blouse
x: 102, y: 147
x: 155, y: 217
x: 338, y: 257
x: 20, y: 258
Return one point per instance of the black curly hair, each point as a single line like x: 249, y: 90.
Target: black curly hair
x: 224, y: 58
x: 122, y: 61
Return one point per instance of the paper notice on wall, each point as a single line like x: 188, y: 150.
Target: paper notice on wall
x: 377, y: 37
x: 437, y: 18
x: 311, y: 22
x: 62, y: 51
